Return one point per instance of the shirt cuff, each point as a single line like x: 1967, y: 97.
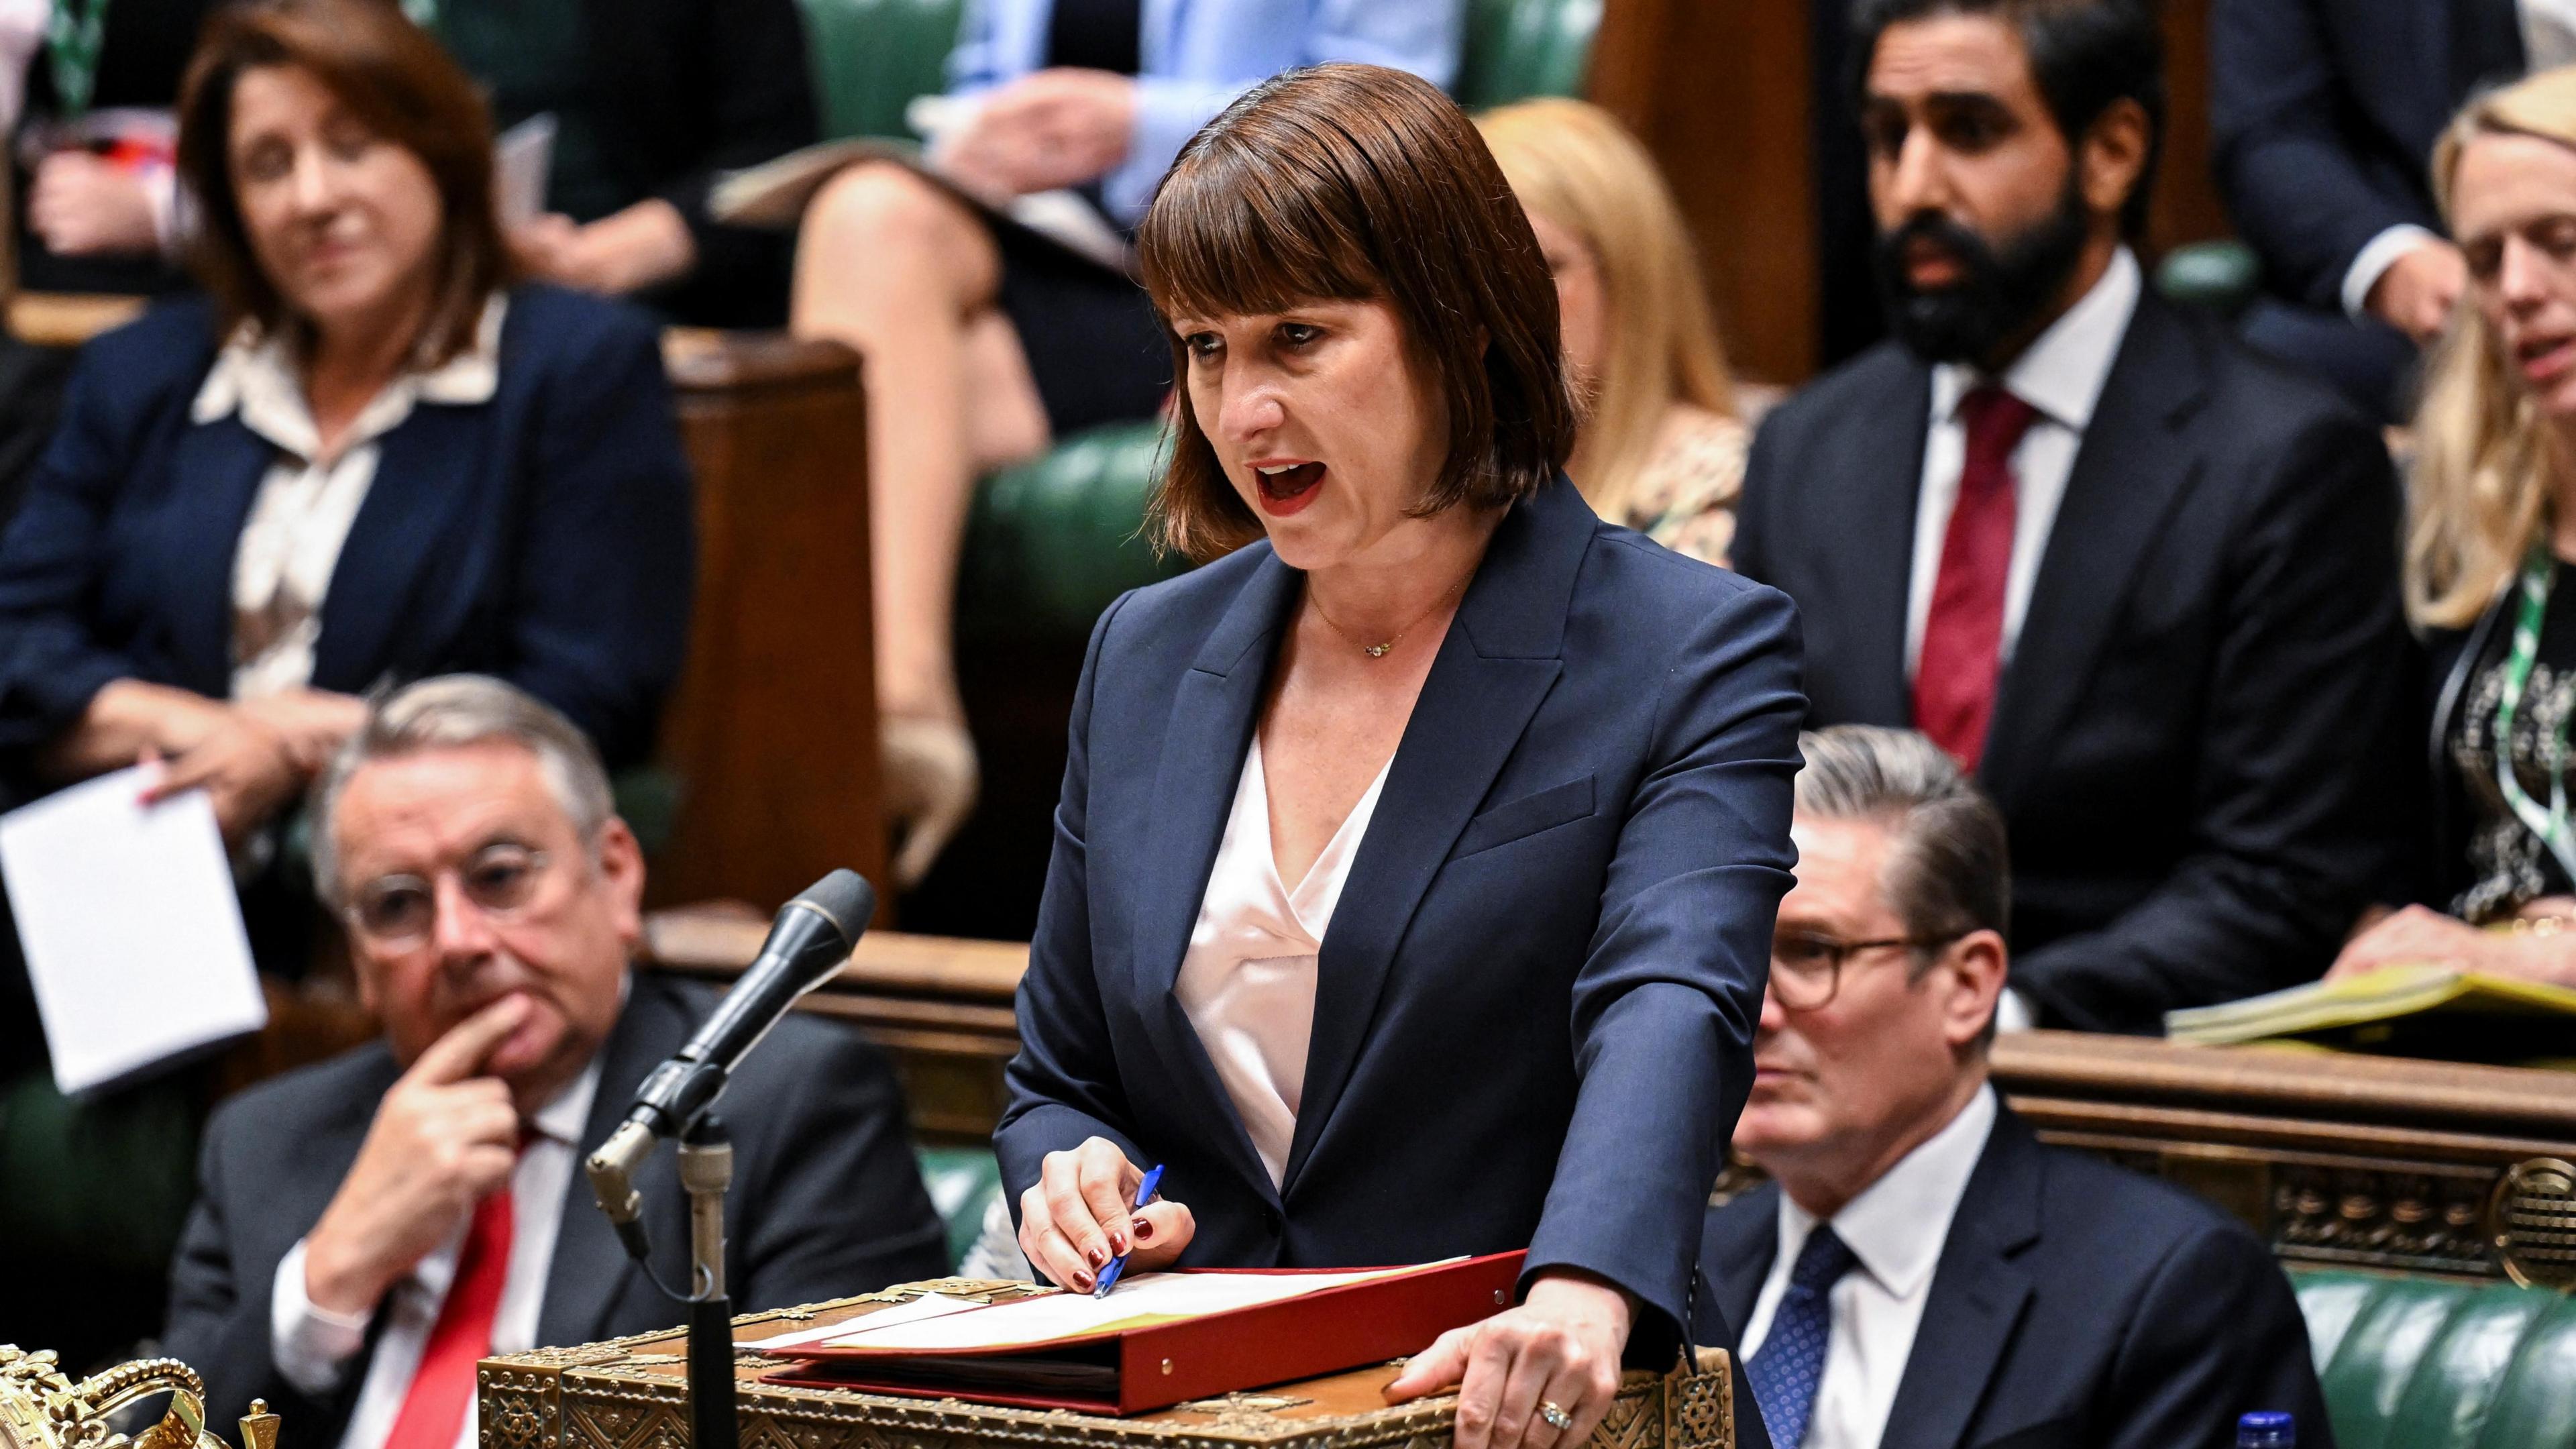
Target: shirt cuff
x: 2374, y: 260
x: 310, y: 1345
x: 2013, y: 1012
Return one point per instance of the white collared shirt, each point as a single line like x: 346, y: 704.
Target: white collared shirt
x: 1896, y: 1229
x: 312, y: 1347
x: 300, y: 519
x: 2061, y: 375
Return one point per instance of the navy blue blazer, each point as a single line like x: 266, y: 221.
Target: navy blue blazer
x: 2075, y: 1305
x: 544, y: 536
x: 1536, y: 1002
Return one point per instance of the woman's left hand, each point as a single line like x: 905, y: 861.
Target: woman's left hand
x: 2414, y: 936
x: 1559, y: 1349
x: 1058, y: 127
x: 642, y: 246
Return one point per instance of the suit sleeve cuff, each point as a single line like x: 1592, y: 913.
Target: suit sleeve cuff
x: 2373, y: 261
x: 310, y: 1345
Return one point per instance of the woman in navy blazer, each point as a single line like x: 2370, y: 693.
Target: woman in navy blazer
x: 1569, y: 752
x: 527, y: 517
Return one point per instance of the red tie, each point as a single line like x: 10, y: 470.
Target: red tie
x: 433, y: 1411
x: 1963, y: 634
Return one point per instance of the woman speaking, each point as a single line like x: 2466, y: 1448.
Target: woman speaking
x: 1415, y: 871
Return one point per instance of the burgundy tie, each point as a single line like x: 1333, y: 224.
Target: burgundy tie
x: 1963, y: 634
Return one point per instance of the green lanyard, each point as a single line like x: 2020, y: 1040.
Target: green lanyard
x: 423, y: 13
x: 2549, y: 825
x: 73, y: 36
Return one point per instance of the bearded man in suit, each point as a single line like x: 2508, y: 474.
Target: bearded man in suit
x: 2141, y: 582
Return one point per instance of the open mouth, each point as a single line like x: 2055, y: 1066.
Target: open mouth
x: 2545, y: 357
x: 1288, y: 486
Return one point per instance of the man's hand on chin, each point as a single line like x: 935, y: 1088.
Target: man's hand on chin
x: 443, y: 1138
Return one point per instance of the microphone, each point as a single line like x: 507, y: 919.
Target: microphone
x: 808, y: 940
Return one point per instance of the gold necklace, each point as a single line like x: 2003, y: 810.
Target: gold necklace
x: 1379, y: 651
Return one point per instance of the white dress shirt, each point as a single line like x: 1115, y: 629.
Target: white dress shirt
x: 2061, y: 375
x: 1247, y: 981
x: 1895, y: 1229
x: 300, y: 519
x: 312, y: 1347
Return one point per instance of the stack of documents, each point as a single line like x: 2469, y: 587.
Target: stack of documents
x: 2407, y: 1010
x: 1155, y: 1340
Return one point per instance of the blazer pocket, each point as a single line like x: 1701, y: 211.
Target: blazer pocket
x: 1554, y: 806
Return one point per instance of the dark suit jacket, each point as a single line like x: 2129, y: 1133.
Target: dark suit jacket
x: 2323, y: 115
x: 2075, y: 1306
x: 826, y: 1201
x: 2194, y: 741
x: 690, y: 89
x: 544, y: 536
x: 1536, y: 1001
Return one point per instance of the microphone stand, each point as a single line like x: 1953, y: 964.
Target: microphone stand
x: 706, y: 1171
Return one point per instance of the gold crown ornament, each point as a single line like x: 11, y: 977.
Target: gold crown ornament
x: 41, y: 1408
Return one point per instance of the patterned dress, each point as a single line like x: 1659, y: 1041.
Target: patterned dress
x: 1685, y: 496
x: 2508, y: 866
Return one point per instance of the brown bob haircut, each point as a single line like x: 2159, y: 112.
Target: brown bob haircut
x: 394, y: 80
x: 1360, y: 183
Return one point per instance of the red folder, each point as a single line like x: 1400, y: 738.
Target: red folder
x: 1154, y: 1366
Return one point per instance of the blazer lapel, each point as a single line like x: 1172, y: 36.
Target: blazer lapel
x: 427, y: 468
x: 1213, y: 713
x: 2136, y: 463
x: 1736, y: 1254
x: 590, y: 1266
x: 1869, y: 553
x: 1498, y: 662
x: 1979, y: 1290
x: 221, y: 461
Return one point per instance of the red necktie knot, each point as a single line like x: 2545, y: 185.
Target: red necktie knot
x: 1995, y: 421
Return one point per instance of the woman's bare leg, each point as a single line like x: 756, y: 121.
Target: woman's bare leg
x: 891, y: 265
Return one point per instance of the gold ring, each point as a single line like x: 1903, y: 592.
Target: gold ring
x: 1556, y: 1417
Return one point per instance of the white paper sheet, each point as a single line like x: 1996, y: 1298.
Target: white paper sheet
x: 132, y: 933
x: 1145, y: 1297
x: 928, y: 1305
x: 520, y: 160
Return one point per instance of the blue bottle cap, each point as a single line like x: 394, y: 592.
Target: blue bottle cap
x: 2266, y: 1429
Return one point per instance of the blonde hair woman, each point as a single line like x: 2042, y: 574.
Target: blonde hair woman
x: 2491, y: 549
x: 1661, y: 449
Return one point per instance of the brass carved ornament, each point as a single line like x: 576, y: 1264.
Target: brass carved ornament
x: 42, y: 1408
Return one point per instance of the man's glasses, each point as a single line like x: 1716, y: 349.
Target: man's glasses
x: 399, y: 912
x: 1807, y: 966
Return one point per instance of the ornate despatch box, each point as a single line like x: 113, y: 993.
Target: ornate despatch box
x: 631, y: 1393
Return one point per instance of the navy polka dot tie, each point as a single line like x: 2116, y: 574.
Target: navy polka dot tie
x: 1785, y: 1370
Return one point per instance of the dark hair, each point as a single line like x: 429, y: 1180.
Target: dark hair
x: 2084, y: 55
x: 1357, y: 182
x: 1950, y: 872
x: 397, y: 82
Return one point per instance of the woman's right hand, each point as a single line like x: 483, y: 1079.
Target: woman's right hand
x: 247, y: 768
x: 1076, y: 1219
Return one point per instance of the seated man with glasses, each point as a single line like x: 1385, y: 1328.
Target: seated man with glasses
x: 1920, y: 1270
x: 367, y: 1228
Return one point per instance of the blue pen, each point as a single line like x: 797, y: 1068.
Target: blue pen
x: 1144, y: 1194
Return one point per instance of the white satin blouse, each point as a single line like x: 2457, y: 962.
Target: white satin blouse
x: 1247, y: 981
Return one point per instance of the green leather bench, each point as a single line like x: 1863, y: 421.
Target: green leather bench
x: 2424, y: 1363
x: 1052, y: 541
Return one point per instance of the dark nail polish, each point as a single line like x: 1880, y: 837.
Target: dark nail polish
x: 1082, y: 1282
x: 1143, y: 1230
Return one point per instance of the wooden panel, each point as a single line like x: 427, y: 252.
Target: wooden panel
x: 773, y: 728
x: 2186, y: 207
x: 1719, y: 94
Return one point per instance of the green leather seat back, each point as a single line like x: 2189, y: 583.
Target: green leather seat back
x: 2218, y: 276
x: 871, y: 57
x: 2423, y: 1363
x: 963, y: 1182
x: 1053, y: 540
x: 1517, y: 49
